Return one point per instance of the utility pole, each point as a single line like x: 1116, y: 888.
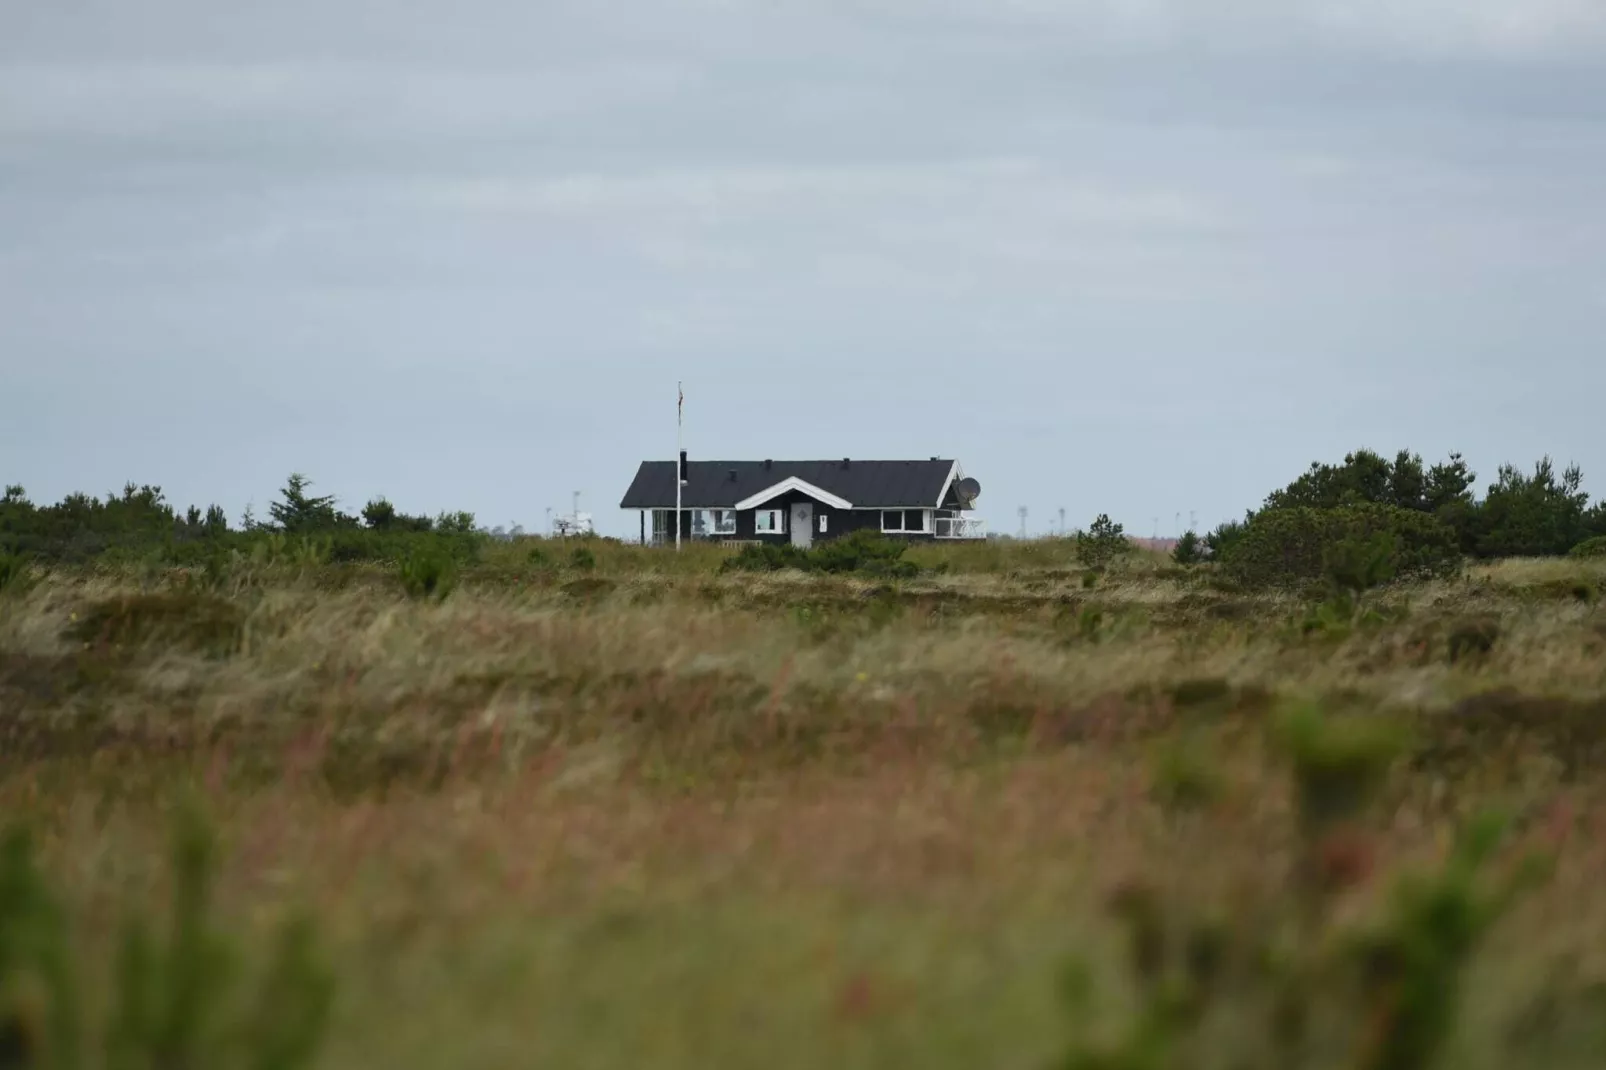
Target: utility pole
x: 1062, y: 521
x: 680, y: 482
x: 1022, y: 511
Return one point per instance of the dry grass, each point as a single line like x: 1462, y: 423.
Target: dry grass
x: 647, y: 815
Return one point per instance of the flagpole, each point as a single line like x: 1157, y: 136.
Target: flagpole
x: 680, y: 401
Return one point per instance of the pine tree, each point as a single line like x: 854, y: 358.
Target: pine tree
x: 299, y: 511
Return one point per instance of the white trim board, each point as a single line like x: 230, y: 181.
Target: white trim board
x: 790, y: 484
x: 953, y: 474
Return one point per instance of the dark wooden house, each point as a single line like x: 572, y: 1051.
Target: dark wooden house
x: 802, y: 502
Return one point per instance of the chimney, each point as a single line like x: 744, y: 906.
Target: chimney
x: 844, y: 462
x: 683, y: 466
x: 733, y: 475
x: 768, y: 464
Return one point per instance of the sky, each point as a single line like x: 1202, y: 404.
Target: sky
x: 1147, y: 258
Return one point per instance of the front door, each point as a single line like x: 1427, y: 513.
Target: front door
x: 803, y: 525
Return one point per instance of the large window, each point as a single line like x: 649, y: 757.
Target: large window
x: 710, y: 522
x: 768, y: 521
x: 903, y: 521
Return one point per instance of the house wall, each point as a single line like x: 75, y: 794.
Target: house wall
x: 839, y: 522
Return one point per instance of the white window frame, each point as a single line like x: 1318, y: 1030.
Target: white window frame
x: 776, y: 518
x: 823, y: 519
x: 902, y: 515
x: 713, y: 523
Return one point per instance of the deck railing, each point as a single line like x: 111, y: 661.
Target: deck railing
x: 961, y: 527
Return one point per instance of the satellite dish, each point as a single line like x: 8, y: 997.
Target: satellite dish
x: 967, y: 490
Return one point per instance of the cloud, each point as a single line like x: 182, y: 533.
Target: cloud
x: 1490, y: 29
x: 737, y: 194
x: 1176, y: 221
x: 130, y: 100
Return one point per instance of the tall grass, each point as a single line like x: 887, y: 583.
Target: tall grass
x: 630, y: 811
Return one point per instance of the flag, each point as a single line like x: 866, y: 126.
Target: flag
x: 680, y: 402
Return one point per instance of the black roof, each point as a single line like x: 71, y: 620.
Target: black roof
x: 867, y: 484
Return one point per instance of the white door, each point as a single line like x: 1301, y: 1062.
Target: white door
x: 803, y: 525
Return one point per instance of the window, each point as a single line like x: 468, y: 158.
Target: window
x: 768, y: 521
x: 663, y: 525
x: 822, y: 523
x: 903, y: 520
x: 706, y: 522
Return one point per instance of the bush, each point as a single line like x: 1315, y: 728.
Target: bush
x: 428, y: 571
x: 172, y: 1001
x: 1359, y: 563
x: 767, y: 557
x: 1533, y: 515
x: 583, y: 559
x: 1220, y: 542
x: 866, y: 552
x: 1595, y: 547
x: 13, y: 572
x: 1352, y: 547
x: 1101, y: 543
x: 1189, y: 550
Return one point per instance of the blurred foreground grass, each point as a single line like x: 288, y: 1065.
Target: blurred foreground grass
x: 630, y: 812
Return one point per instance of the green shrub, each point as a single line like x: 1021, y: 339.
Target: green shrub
x: 1352, y: 547
x: 173, y: 1001
x: 1101, y: 543
x: 866, y: 552
x: 13, y: 572
x: 1595, y: 547
x: 767, y: 557
x: 1359, y: 562
x: 1189, y: 550
x: 1336, y: 763
x: 428, y: 571
x: 1220, y: 542
x: 583, y: 559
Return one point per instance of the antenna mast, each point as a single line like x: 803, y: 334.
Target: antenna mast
x: 680, y: 405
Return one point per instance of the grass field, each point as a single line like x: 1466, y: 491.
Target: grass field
x: 645, y: 814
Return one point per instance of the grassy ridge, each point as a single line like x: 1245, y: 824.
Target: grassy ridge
x: 627, y: 810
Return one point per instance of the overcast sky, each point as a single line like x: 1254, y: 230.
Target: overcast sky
x: 1147, y: 257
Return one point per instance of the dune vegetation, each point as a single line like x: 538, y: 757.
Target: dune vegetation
x: 526, y: 802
